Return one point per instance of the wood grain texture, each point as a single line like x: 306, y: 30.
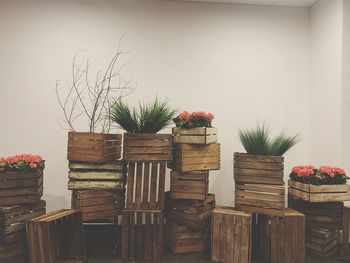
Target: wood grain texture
x: 199, y: 135
x: 345, y: 253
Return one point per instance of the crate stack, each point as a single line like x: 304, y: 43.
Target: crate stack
x: 188, y: 204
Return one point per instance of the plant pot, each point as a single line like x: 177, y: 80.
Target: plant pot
x: 199, y: 135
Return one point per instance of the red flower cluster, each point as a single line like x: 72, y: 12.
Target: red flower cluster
x: 303, y: 171
x: 194, y: 119
x: 184, y: 115
x: 331, y: 171
x: 30, y: 160
x: 203, y: 115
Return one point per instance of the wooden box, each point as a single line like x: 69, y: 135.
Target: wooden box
x: 192, y: 157
x: 147, y: 147
x: 231, y: 235
x: 14, y: 253
x: 55, y: 237
x: 182, y: 239
x: 96, y: 176
x: 192, y: 213
x: 199, y: 135
x: 319, y: 193
x: 98, y: 204
x: 142, y: 235
x: 21, y: 187
x: 190, y: 185
x: 321, y: 243
x: 259, y: 184
x: 146, y: 184
x: 345, y: 253
x: 13, y: 220
x: 93, y: 147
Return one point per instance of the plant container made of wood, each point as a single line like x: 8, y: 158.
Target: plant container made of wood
x: 345, y: 253
x: 93, y: 147
x: 14, y: 253
x: 321, y: 243
x: 199, y: 135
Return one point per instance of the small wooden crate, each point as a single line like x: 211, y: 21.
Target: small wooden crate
x: 182, y: 239
x: 96, y: 176
x: 14, y: 253
x: 191, y: 185
x: 98, y: 204
x: 147, y: 147
x: 322, y: 243
x: 192, y: 213
x: 231, y: 235
x: 345, y: 253
x: 199, y: 135
x: 21, y: 187
x: 57, y: 236
x: 142, y: 235
x: 259, y: 184
x: 319, y: 193
x: 13, y: 220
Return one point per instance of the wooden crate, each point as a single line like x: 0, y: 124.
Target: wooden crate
x: 55, y: 237
x: 345, y: 253
x: 319, y: 193
x: 182, y: 239
x: 199, y: 135
x: 84, y: 176
x: 192, y: 213
x: 93, y: 147
x: 192, y: 157
x: 13, y: 220
x: 190, y: 185
x: 14, y: 253
x: 147, y: 147
x: 321, y: 243
x: 98, y: 204
x: 21, y: 187
x: 231, y: 235
x: 142, y: 235
x: 145, y: 187
x: 259, y: 184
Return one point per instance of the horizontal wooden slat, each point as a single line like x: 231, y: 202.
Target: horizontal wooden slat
x: 258, y: 158
x: 259, y: 180
x: 91, y: 175
x: 254, y: 172
x: 259, y: 196
x: 116, y: 165
x: 259, y: 166
x: 259, y: 203
x: 72, y: 185
x: 195, y: 131
x: 262, y: 188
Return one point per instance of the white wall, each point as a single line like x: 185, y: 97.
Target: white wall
x: 242, y: 63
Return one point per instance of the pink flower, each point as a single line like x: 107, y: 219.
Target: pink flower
x: 1, y: 169
x: 32, y: 165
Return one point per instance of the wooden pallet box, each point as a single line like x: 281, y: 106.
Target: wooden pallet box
x: 147, y: 147
x: 84, y: 176
x: 56, y: 237
x: 189, y: 185
x: 16, y: 252
x: 321, y: 243
x: 199, y: 135
x: 142, y: 235
x: 345, y: 253
x: 259, y: 184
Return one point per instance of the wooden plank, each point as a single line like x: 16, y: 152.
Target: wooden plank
x: 258, y: 158
x: 138, y: 185
x: 130, y: 186
x: 259, y: 166
x: 161, y: 185
x: 153, y: 188
x: 259, y: 180
x: 96, y: 175
x: 256, y: 173
x: 345, y: 253
x: 73, y: 185
x: 146, y: 188
x: 115, y: 165
x: 195, y: 131
x: 198, y: 166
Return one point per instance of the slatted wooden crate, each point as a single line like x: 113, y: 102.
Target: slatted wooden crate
x: 321, y: 243
x: 98, y: 204
x: 56, y: 237
x: 231, y: 235
x: 190, y: 185
x: 182, y: 239
x: 13, y: 220
x: 192, y: 213
x: 145, y: 187
x: 21, y: 187
x: 142, y: 235
x: 96, y: 176
x: 259, y: 184
x: 345, y: 253
x: 147, y: 147
x: 14, y: 253
x: 93, y: 147
x: 199, y: 135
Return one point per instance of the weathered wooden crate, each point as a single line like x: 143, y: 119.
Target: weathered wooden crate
x: 142, y: 235
x: 189, y: 185
x: 345, y: 253
x: 14, y: 253
x: 147, y: 147
x: 13, y: 220
x: 182, y: 239
x: 96, y: 176
x: 199, y: 135
x: 93, y: 147
x: 259, y: 184
x: 231, y: 235
x: 319, y: 193
x: 56, y: 237
x: 145, y: 187
x: 21, y: 187
x: 321, y: 243
x: 98, y: 204
x: 192, y: 213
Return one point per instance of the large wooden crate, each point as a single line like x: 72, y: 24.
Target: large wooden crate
x: 147, y: 147
x: 345, y: 253
x: 190, y: 185
x: 55, y: 237
x: 321, y: 243
x: 96, y: 176
x: 142, y: 235
x: 199, y: 135
x: 231, y: 235
x: 259, y: 184
x: 98, y: 204
x: 14, y: 253
x: 21, y: 187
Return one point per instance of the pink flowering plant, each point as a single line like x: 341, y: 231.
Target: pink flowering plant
x: 195, y: 119
x: 22, y: 162
x: 321, y: 176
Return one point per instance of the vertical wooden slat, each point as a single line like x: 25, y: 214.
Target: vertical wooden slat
x: 138, y: 187
x: 222, y: 249
x: 130, y: 194
x: 246, y: 239
x: 145, y: 200
x: 288, y: 239
x: 148, y: 238
x: 125, y: 235
x: 301, y: 237
x: 153, y: 190
x: 346, y: 233
x: 281, y: 238
x: 132, y: 237
x: 156, y: 237
x: 161, y: 187
x: 215, y: 237
x: 295, y: 255
x: 139, y: 238
x: 230, y: 250
x: 237, y: 236
x: 274, y: 239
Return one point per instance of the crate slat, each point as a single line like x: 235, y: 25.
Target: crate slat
x: 199, y: 135
x: 345, y: 253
